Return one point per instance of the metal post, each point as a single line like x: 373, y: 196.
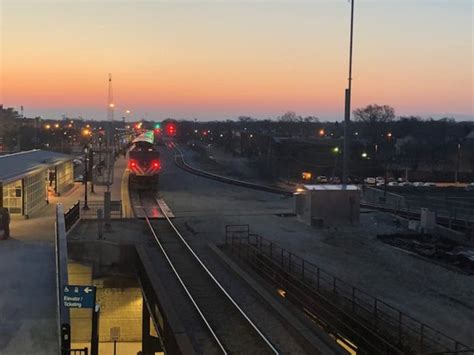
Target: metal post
x: 86, y: 206
x: 95, y: 328
x: 91, y: 165
x: 107, y: 206
x: 145, y: 329
x: 347, y: 111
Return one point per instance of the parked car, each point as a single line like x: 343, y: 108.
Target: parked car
x: 369, y: 181
x: 322, y: 179
x: 470, y: 187
x: 393, y: 183
x: 335, y: 180
x: 429, y: 184
x: 405, y: 184
x: 418, y: 184
x: 379, y: 179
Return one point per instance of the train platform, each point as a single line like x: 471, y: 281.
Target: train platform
x: 27, y: 270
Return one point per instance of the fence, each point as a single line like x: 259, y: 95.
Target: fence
x: 72, y: 216
x: 450, y: 213
x: 64, y: 325
x: 340, y: 307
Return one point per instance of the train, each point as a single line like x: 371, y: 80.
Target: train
x: 144, y: 163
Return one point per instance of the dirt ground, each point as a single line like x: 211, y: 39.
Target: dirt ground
x: 435, y: 295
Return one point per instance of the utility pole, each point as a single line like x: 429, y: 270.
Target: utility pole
x: 86, y: 175
x: 109, y: 133
x: 347, y: 111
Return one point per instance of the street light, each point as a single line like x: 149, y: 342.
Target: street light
x: 347, y: 113
x: 86, y: 172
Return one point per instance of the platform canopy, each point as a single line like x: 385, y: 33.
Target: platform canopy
x: 18, y: 165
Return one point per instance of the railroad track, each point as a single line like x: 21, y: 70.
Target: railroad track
x: 455, y: 224
x: 231, y: 329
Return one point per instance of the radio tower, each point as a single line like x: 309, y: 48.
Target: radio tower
x: 110, y: 103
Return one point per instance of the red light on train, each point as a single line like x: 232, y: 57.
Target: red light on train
x: 156, y: 164
x: 132, y: 164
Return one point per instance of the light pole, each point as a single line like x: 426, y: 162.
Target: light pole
x: 86, y: 172
x: 347, y: 112
x: 458, y: 163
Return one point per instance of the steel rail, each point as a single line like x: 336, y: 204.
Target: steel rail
x: 229, y: 297
x: 214, y: 335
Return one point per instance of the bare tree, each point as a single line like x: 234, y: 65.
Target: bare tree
x: 375, y: 120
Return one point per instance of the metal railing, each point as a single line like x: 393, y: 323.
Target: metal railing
x: 72, y: 215
x: 64, y: 324
x: 374, y: 323
x: 448, y: 212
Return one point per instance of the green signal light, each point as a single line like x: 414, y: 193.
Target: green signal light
x: 158, y: 125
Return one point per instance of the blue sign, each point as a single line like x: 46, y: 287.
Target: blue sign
x: 78, y: 296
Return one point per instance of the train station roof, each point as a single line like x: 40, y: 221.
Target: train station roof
x: 18, y: 165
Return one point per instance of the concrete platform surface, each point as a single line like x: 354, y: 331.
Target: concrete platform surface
x: 27, y: 271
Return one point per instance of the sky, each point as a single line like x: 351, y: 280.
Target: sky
x: 219, y: 59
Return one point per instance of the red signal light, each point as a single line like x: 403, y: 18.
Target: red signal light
x: 132, y: 164
x: 171, y: 129
x: 156, y: 164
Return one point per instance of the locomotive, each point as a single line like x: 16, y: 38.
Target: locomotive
x: 144, y: 161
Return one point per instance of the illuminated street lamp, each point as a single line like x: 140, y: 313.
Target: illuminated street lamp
x: 47, y: 126
x: 321, y: 132
x: 335, y: 149
x: 364, y: 155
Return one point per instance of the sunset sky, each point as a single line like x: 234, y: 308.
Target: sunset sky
x: 219, y: 59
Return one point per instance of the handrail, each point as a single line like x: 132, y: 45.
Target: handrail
x: 402, y: 324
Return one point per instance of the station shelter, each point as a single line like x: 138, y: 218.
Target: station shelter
x: 27, y: 178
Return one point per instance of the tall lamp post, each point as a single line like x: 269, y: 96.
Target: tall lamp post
x: 86, y: 173
x: 347, y: 111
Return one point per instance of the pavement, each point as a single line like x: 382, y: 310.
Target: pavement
x: 428, y: 292
x: 27, y: 270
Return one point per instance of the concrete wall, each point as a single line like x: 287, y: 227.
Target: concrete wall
x: 119, y: 297
x: 329, y: 207
x: 120, y: 307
